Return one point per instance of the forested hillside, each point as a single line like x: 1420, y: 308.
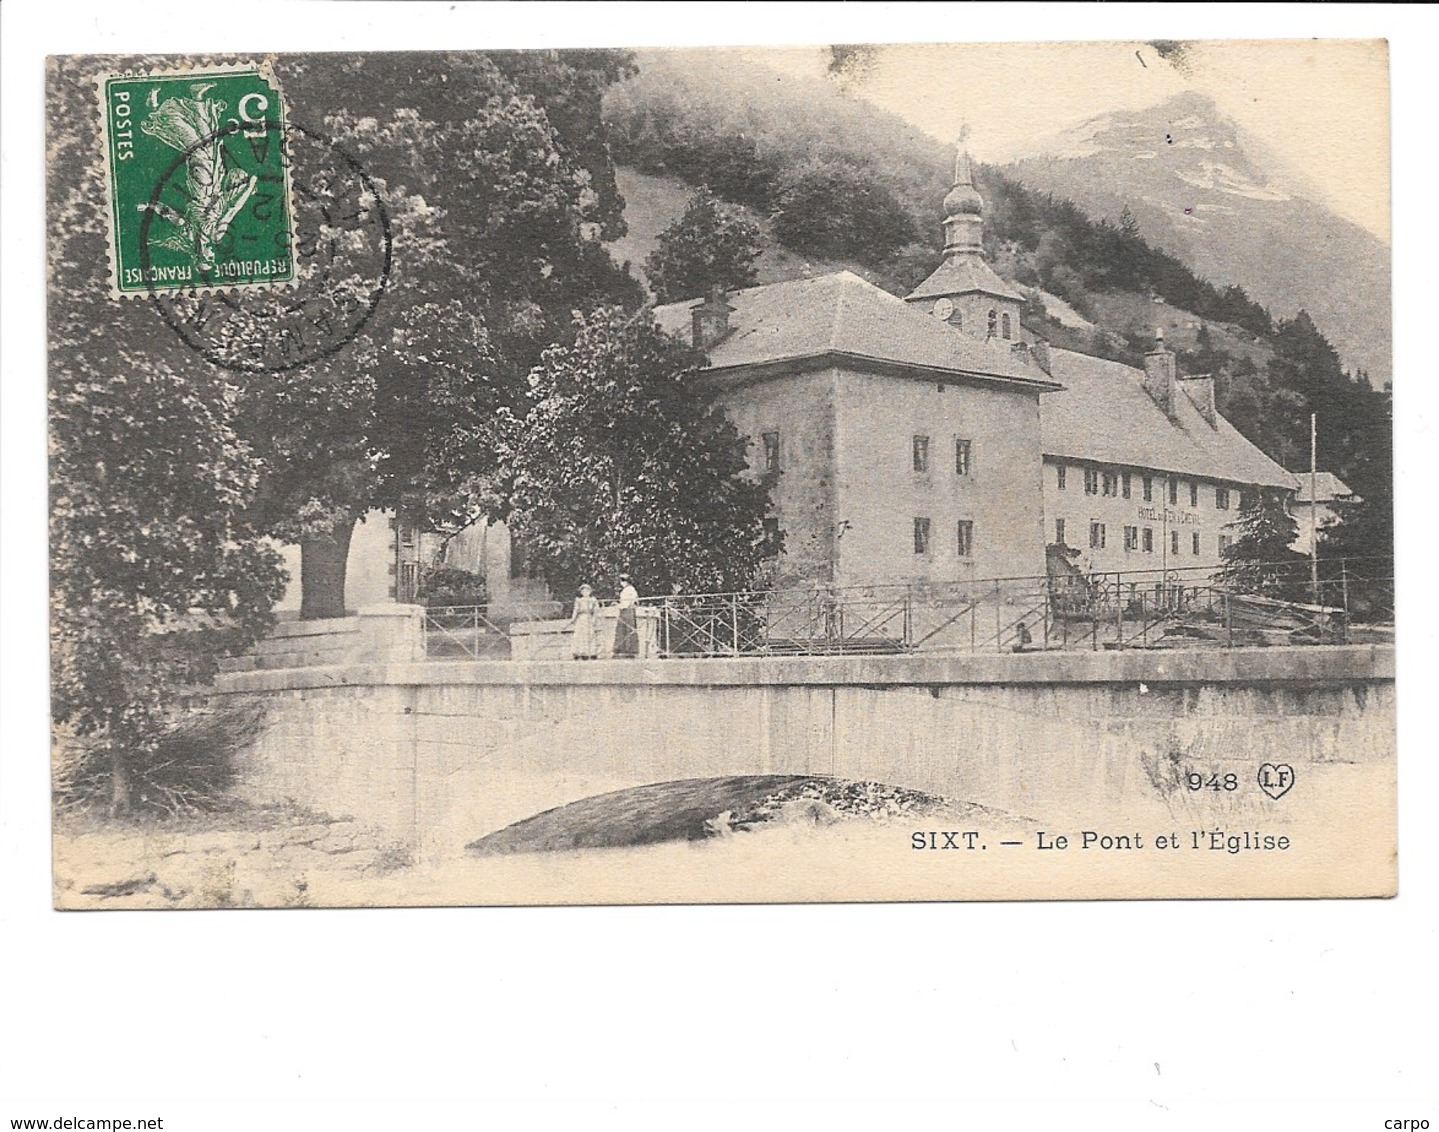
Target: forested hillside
x: 833, y: 180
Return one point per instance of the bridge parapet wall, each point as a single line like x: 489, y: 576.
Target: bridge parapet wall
x: 440, y: 753
x: 383, y: 634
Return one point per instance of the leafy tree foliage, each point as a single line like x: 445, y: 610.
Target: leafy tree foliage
x: 710, y: 244
x: 1359, y: 551
x: 713, y: 119
x: 450, y: 585
x: 499, y: 187
x: 623, y: 466
x: 156, y: 569
x: 833, y: 209
x: 1259, y: 559
x: 157, y: 563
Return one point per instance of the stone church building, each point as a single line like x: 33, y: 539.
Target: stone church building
x: 934, y: 439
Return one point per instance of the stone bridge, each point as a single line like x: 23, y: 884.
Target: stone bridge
x: 440, y: 752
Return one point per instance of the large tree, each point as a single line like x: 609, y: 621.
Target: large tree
x: 1259, y: 559
x: 496, y: 181
x: 624, y: 465
x: 710, y: 244
x: 158, y: 565
x: 1356, y: 555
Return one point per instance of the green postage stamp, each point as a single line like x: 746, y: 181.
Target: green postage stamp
x: 198, y: 181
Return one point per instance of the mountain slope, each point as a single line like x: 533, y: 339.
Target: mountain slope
x: 652, y: 203
x: 1183, y: 171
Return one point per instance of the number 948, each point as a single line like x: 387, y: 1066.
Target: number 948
x: 1196, y: 781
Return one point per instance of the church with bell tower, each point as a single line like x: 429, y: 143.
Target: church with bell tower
x: 964, y: 290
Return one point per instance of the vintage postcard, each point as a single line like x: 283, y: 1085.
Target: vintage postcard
x: 847, y: 473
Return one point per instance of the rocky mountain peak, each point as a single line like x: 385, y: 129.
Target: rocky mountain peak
x: 1185, y: 137
x: 1199, y: 189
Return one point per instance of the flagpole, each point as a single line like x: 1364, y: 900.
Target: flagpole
x: 1313, y: 511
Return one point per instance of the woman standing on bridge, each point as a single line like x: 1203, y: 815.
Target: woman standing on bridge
x: 585, y: 640
x: 627, y: 637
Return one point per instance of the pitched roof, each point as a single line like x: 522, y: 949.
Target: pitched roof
x: 1104, y: 415
x: 962, y: 273
x: 841, y: 314
x: 1327, y: 487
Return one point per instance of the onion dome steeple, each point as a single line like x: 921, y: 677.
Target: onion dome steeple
x: 963, y: 198
x: 963, y: 208
x: 964, y: 290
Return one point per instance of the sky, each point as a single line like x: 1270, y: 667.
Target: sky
x: 1316, y: 112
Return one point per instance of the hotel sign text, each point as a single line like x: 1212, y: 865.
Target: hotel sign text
x: 1176, y: 518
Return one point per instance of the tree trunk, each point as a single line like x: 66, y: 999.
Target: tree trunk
x: 119, y: 782
x: 322, y: 571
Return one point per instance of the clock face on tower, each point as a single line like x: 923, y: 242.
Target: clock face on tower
x: 943, y: 309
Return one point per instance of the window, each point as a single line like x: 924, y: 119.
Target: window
x: 1173, y: 542
x: 1148, y: 540
x: 771, y: 451
x: 921, y: 453
x: 1224, y: 543
x: 1195, y: 539
x: 1060, y: 469
x: 1148, y: 489
x: 771, y: 530
x: 1004, y: 327
x: 1193, y: 493
x: 966, y: 538
x: 1111, y: 484
x: 958, y: 320
x: 1131, y: 538
x: 1124, y: 482
x: 1174, y: 491
x: 1059, y: 531
x: 993, y: 323
x: 961, y: 457
x: 921, y: 536
x: 1246, y: 500
x: 1221, y: 498
x: 1091, y: 482
x: 1096, y: 536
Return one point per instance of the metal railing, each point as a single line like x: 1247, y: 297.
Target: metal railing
x: 480, y: 632
x: 1125, y: 609
x: 1121, y: 609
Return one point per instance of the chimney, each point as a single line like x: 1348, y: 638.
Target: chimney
x: 1201, y: 391
x: 711, y: 319
x: 1161, y: 376
x: 1040, y: 349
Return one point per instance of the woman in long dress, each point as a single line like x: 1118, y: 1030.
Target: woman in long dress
x: 585, y: 638
x: 627, y: 637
